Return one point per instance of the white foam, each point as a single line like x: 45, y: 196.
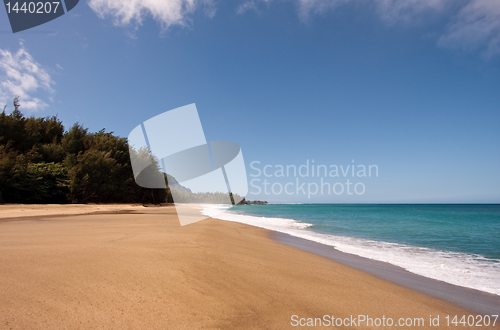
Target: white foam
x: 467, y: 270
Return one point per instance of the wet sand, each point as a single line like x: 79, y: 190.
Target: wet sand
x: 474, y: 300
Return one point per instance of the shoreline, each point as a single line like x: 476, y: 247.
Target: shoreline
x: 462, y: 269
x: 474, y: 300
x: 468, y: 298
x: 144, y: 270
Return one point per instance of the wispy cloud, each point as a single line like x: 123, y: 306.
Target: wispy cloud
x: 397, y: 11
x: 476, y: 27
x: 391, y: 11
x: 165, y: 12
x: 308, y: 7
x: 245, y: 6
x: 21, y: 75
x: 472, y: 24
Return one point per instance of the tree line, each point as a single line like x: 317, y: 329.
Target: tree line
x: 40, y: 162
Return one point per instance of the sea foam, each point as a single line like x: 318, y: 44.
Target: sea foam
x: 466, y: 270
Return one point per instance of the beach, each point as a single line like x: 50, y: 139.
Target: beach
x: 135, y: 267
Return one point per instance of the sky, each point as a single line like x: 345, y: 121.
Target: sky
x: 410, y: 86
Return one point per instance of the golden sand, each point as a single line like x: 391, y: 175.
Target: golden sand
x: 142, y: 270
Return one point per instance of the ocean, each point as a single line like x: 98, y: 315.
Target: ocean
x: 454, y: 243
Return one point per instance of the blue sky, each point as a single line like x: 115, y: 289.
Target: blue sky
x: 411, y: 86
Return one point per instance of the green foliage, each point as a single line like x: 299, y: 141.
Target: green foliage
x: 40, y: 163
x: 44, y: 183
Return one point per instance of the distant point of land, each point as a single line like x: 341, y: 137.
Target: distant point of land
x: 245, y: 202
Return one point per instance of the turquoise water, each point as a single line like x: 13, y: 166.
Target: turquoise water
x: 458, y: 244
x: 473, y: 229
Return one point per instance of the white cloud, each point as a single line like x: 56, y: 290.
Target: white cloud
x: 21, y: 75
x: 477, y: 26
x: 166, y: 12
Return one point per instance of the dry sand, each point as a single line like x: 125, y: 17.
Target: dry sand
x: 10, y: 212
x: 143, y: 271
